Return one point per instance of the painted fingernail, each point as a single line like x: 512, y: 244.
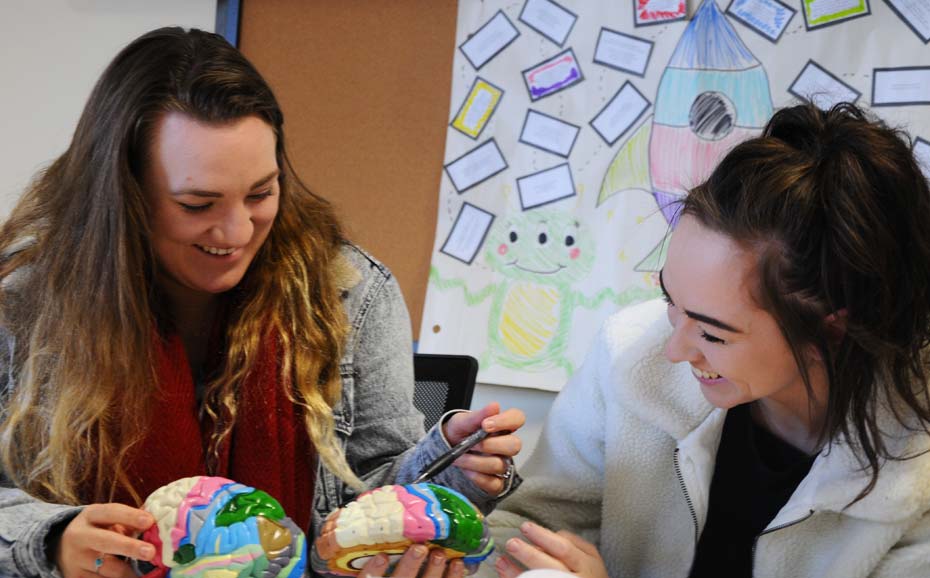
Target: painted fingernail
x: 419, y: 552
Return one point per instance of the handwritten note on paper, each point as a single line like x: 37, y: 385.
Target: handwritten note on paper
x: 496, y: 35
x: 916, y: 14
x: 551, y: 20
x: 922, y: 154
x: 899, y: 86
x: 478, y: 107
x: 546, y: 186
x: 821, y: 88
x: 468, y: 233
x: 622, y: 51
x: 552, y: 75
x: 647, y: 12
x: 823, y: 12
x: 767, y: 17
x: 548, y: 133
x: 621, y: 112
x: 476, y: 166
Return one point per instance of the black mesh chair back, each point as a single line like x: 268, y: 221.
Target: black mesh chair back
x: 442, y: 383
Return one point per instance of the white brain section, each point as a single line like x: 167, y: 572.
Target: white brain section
x: 212, y: 527
x: 392, y: 518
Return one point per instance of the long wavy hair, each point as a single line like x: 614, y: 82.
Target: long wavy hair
x: 77, y: 287
x: 837, y: 211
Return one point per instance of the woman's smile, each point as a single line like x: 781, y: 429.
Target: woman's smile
x: 707, y: 377
x: 217, y: 251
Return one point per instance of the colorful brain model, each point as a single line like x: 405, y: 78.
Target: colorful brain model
x: 390, y: 519
x: 210, y: 527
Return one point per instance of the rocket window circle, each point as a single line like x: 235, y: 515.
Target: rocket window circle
x: 712, y: 116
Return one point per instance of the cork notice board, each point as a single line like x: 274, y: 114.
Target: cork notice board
x: 365, y: 91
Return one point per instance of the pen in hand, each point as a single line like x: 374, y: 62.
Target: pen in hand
x: 446, y: 459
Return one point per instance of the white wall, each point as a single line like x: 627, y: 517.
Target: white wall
x: 51, y: 53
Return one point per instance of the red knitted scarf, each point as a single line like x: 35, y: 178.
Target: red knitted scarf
x: 268, y: 449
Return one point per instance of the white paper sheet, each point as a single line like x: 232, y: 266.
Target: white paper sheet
x: 901, y: 86
x: 622, y: 51
x: 476, y: 166
x: 489, y: 40
x: 767, y: 17
x: 916, y: 13
x: 620, y: 113
x: 548, y: 133
x: 468, y: 233
x: 546, y: 187
x: 817, y: 85
x: 549, y: 18
x: 817, y: 9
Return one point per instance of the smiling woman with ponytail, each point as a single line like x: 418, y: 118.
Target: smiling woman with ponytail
x: 772, y: 416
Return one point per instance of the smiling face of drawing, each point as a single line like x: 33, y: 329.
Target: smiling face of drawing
x: 543, y: 247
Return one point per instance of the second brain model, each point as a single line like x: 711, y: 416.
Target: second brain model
x: 390, y: 519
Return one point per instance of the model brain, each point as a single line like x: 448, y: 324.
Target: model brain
x: 390, y: 519
x: 210, y: 527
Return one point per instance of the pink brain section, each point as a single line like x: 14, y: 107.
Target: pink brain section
x: 417, y: 525
x: 200, y: 495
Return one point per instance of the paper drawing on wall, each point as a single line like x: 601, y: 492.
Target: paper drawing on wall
x: 713, y: 94
x: 658, y: 107
x: 539, y: 255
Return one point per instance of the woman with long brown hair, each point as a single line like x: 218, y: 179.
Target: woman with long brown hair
x: 176, y: 303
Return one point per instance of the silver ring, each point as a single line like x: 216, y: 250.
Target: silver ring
x: 98, y: 563
x: 509, y: 473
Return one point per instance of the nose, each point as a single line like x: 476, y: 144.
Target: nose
x: 235, y: 227
x: 680, y: 345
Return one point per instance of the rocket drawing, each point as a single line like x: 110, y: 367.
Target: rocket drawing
x: 713, y: 94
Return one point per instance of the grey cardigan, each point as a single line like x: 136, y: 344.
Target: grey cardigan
x: 376, y: 421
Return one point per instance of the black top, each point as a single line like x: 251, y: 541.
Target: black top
x: 755, y: 474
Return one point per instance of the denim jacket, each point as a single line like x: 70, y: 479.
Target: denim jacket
x: 380, y: 429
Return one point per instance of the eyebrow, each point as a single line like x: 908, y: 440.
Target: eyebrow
x: 699, y: 316
x: 212, y: 194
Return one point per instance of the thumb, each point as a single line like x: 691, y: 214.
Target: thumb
x: 464, y: 424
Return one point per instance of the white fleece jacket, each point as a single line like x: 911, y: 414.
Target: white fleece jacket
x: 626, y: 459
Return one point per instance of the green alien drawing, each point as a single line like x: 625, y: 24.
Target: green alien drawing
x: 540, y: 255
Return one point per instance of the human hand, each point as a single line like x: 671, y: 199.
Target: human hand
x: 103, y: 532
x: 554, y: 550
x: 488, y: 462
x: 410, y: 564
